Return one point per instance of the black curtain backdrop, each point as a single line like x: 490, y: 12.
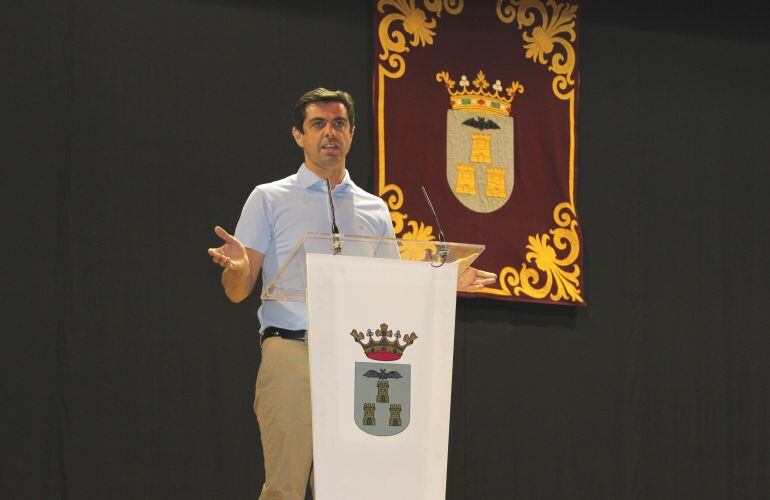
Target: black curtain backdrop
x: 129, y: 129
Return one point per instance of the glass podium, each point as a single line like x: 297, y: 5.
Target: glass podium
x: 290, y: 282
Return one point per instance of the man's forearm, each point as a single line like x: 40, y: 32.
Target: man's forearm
x: 237, y: 284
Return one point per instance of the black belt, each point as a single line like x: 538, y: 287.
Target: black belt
x: 273, y: 331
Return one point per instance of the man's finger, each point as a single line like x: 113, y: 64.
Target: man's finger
x: 223, y: 234
x: 216, y: 253
x: 218, y: 257
x: 485, y: 274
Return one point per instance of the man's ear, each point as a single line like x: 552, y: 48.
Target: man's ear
x: 298, y: 137
x: 352, y: 131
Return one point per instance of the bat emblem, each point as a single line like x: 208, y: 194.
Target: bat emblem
x: 383, y: 374
x: 481, y: 123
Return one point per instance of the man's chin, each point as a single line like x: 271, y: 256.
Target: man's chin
x: 334, y: 158
x: 330, y: 163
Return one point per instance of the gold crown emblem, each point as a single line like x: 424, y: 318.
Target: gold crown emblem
x: 479, y: 98
x: 380, y: 347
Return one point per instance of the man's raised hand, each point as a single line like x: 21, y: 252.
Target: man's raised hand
x: 232, y: 255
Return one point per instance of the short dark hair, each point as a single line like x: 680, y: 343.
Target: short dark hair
x: 323, y: 95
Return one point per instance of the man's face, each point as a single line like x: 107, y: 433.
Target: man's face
x: 326, y: 135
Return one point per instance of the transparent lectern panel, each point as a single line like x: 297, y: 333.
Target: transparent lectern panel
x: 291, y: 280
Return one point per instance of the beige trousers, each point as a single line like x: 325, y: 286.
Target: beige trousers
x: 282, y: 406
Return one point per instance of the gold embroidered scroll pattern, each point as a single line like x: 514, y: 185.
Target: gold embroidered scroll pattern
x: 554, y: 256
x: 416, y: 23
x: 550, y: 41
x: 417, y: 251
x: 418, y: 231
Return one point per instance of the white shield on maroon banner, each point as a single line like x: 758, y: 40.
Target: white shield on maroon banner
x: 479, y: 152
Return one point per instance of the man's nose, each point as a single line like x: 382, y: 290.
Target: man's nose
x: 329, y: 130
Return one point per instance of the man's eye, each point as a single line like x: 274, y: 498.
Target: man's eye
x: 318, y: 125
x: 339, y: 124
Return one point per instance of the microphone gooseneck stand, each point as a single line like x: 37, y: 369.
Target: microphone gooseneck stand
x: 443, y: 251
x: 336, y: 241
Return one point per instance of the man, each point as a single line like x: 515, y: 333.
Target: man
x: 274, y: 218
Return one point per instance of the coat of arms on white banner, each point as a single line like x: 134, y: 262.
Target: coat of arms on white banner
x: 382, y: 398
x: 382, y: 391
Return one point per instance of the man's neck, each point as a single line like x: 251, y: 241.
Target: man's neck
x: 334, y: 174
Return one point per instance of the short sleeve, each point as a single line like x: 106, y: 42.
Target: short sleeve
x: 387, y: 249
x: 387, y: 229
x: 254, y: 229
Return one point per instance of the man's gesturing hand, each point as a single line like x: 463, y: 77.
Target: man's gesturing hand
x: 470, y: 278
x: 232, y: 255
x: 475, y: 279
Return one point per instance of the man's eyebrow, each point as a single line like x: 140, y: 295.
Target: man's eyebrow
x: 319, y: 119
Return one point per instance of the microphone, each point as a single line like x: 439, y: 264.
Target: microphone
x: 336, y: 242
x: 443, y: 252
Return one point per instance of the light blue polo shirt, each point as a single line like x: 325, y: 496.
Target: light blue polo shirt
x: 277, y: 214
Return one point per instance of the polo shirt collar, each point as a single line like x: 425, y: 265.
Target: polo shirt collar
x: 308, y: 180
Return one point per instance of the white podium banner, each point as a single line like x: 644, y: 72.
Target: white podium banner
x: 381, y: 336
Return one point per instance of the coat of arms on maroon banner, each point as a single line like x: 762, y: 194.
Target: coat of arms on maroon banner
x: 477, y: 101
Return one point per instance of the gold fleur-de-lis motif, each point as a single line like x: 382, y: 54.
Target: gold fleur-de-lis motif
x: 554, y: 256
x: 415, y: 22
x: 481, y: 81
x: 417, y: 251
x: 421, y: 27
x: 548, y: 42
